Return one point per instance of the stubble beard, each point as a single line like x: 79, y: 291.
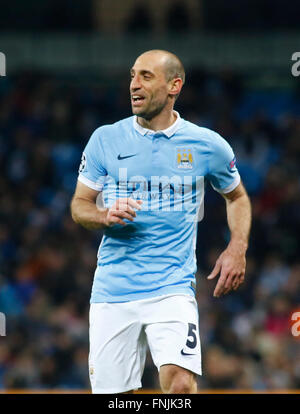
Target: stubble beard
x: 150, y: 114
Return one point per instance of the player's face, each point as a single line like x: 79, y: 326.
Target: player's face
x: 149, y: 88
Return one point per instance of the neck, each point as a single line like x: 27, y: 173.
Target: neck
x: 160, y: 122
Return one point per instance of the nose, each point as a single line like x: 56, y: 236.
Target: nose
x: 135, y: 83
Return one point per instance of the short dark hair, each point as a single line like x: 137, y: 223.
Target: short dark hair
x: 174, y: 67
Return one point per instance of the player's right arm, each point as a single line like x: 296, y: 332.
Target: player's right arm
x: 84, y: 209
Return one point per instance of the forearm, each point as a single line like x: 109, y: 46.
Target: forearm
x: 87, y: 214
x: 239, y: 221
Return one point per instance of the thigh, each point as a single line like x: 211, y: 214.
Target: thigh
x: 117, y: 348
x: 173, y: 333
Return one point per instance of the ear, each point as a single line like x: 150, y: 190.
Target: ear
x: 175, y: 86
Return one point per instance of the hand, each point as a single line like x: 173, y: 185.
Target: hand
x: 122, y: 208
x: 231, y: 265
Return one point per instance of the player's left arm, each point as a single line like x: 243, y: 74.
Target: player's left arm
x: 231, y: 264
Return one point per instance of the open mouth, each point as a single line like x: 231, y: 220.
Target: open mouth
x: 137, y: 99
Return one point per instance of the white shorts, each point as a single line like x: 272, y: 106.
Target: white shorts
x: 120, y: 332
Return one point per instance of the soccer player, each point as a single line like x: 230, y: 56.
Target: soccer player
x: 142, y: 181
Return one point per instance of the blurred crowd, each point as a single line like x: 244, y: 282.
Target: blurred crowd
x: 140, y: 16
x: 47, y: 261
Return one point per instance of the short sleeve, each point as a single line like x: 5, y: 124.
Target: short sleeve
x: 92, y: 172
x: 223, y: 173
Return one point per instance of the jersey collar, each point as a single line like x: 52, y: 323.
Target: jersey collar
x: 168, y: 131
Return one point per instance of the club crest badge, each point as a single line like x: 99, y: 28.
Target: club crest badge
x: 184, y: 158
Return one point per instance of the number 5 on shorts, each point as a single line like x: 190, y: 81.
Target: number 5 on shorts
x: 192, y: 334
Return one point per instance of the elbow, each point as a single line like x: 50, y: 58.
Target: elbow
x: 74, y: 217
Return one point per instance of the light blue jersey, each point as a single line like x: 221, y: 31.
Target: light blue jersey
x: 155, y: 254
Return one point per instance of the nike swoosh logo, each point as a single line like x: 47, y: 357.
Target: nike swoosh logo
x: 184, y: 353
x: 126, y: 156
